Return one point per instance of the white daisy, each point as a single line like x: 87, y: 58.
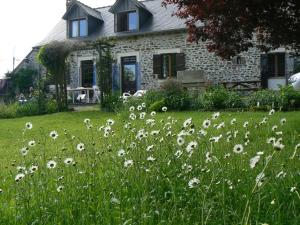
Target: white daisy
x: 180, y: 141
x: 271, y: 140
x: 121, y: 153
x: 51, y: 164
x: 151, y: 159
x: 33, y: 169
x: 191, y: 146
x: 206, y: 124
x: 153, y: 113
x: 131, y: 109
x: 278, y: 146
x: 194, y: 183
x: 24, y: 151
x: 87, y: 121
x: 178, y: 153
x: 31, y: 143
x: 202, y: 133
x: 164, y: 109
x: 149, y: 148
x: 215, y: 115
x: 272, y: 111
x: 80, y: 147
x: 246, y: 124
x: 110, y: 122
x: 132, y: 116
x: 28, y: 125
x: 187, y: 123
x: 233, y: 121
x: 60, y: 188
x: 238, y: 148
x: 139, y: 107
x: 53, y: 135
x: 254, y: 161
x: 283, y: 121
x: 19, y: 177
x: 128, y: 163
x: 274, y: 128
x: 68, y: 161
x: 259, y: 179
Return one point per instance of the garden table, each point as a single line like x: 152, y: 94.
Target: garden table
x: 80, y: 89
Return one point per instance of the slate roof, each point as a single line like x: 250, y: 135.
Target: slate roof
x: 90, y: 11
x: 161, y: 20
x: 136, y: 2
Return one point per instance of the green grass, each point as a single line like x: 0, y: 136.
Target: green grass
x: 99, y: 189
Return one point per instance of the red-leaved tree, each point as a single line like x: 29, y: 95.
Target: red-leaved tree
x: 231, y: 26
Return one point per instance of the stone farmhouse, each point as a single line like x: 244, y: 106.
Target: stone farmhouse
x: 150, y: 47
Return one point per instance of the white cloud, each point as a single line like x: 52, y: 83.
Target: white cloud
x: 25, y: 23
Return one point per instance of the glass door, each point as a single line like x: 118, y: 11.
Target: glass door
x: 129, y: 76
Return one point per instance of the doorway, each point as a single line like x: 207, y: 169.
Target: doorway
x: 129, y: 74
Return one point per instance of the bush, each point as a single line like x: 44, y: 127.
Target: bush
x: 289, y: 98
x: 30, y: 108
x: 8, y: 111
x: 215, y: 98
x: 51, y: 106
x: 157, y: 106
x: 176, y: 98
x: 112, y: 103
x: 153, y: 96
x: 234, y: 100
x: 264, y: 99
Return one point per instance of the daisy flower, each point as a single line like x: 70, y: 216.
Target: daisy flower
x: 87, y: 121
x: 132, y: 116
x: 51, y: 164
x: 178, y: 153
x: 180, y: 141
x: 194, y: 183
x: 31, y: 143
x: 206, y: 124
x: 278, y: 146
x: 202, y: 133
x: 110, y: 122
x: 187, y: 123
x: 271, y: 112
x: 283, y: 121
x: 274, y: 128
x: 80, y: 147
x: 164, y: 109
x: 271, y: 140
x: 19, y: 177
x: 151, y: 159
x: 24, y: 151
x: 191, y: 146
x: 238, y: 148
x: 68, y: 161
x: 246, y: 124
x: 259, y: 179
x: 128, y: 163
x: 28, y: 125
x: 131, y: 109
x: 153, y: 113
x: 33, y: 169
x: 233, y: 121
x: 215, y: 115
x: 121, y: 152
x: 60, y: 188
x: 53, y: 135
x: 139, y: 107
x: 254, y: 161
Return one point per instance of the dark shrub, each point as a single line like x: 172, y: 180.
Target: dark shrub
x: 112, y: 103
x: 289, y: 98
x: 152, y: 96
x: 234, y: 100
x: 157, y: 106
x: 215, y: 98
x: 264, y: 99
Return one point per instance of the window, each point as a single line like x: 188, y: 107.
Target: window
x: 126, y: 21
x: 167, y: 65
x: 87, y: 73
x: 79, y: 28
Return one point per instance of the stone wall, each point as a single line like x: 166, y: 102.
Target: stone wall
x: 197, y: 58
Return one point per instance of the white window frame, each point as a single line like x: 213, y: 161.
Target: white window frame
x: 80, y: 59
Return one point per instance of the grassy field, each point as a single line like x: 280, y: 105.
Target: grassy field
x: 168, y: 168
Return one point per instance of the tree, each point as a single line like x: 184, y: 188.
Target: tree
x: 229, y: 26
x: 53, y: 57
x: 22, y: 80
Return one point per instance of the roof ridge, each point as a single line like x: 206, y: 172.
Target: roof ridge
x: 108, y: 6
x: 86, y: 5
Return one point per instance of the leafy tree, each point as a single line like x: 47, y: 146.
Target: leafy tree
x: 228, y: 25
x: 54, y: 57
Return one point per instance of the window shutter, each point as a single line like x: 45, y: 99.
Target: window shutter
x: 116, y: 79
x: 264, y: 70
x: 116, y: 23
x: 138, y: 76
x: 157, y: 65
x: 180, y: 62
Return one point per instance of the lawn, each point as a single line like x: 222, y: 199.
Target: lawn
x: 161, y: 169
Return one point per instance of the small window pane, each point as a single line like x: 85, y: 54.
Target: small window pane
x: 132, y: 23
x: 83, y: 28
x: 75, y: 28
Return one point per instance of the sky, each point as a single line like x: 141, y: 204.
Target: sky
x: 24, y: 23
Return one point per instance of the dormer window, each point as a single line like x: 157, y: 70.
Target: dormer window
x: 79, y: 28
x: 127, y: 21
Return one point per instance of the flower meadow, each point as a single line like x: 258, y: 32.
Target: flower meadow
x: 149, y: 168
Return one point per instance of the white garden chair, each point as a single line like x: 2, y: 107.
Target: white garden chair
x: 97, y: 94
